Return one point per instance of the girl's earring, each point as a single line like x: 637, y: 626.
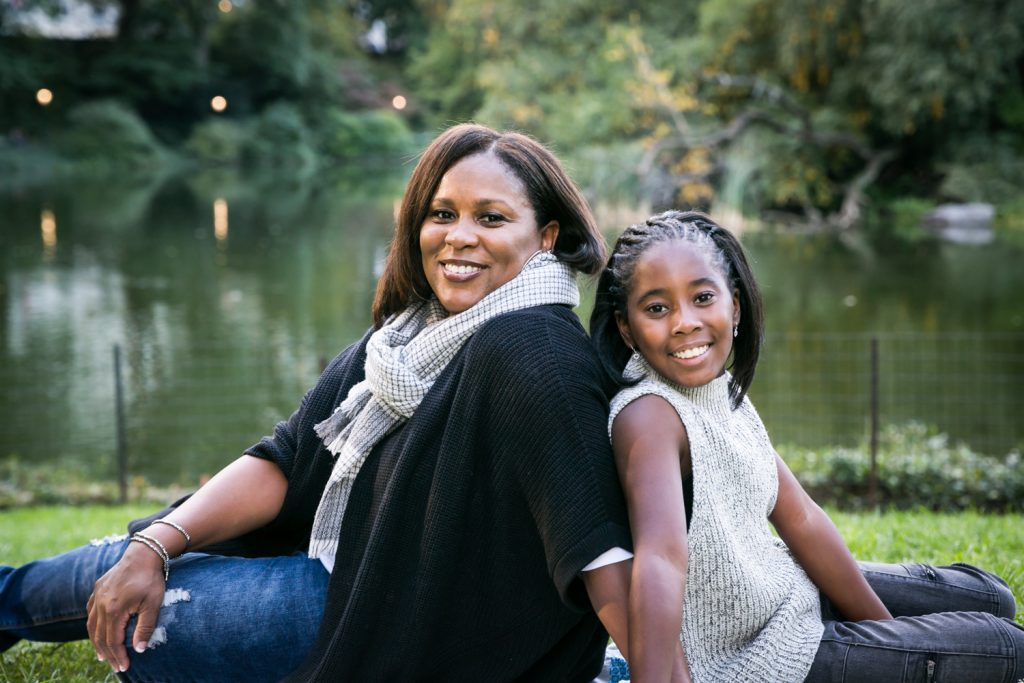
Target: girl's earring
x: 735, y: 330
x: 635, y: 355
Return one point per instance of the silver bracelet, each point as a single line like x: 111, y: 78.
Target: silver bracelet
x: 181, y: 529
x: 157, y: 547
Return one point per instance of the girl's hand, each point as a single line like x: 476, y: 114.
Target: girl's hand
x: 133, y: 586
x: 819, y: 548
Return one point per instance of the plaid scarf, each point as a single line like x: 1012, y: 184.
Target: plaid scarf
x: 403, y: 358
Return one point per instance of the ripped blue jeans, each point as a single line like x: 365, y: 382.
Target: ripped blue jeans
x: 223, y: 619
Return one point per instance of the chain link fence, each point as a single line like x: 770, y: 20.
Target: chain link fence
x: 187, y: 413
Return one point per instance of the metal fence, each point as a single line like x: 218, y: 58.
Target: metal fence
x: 832, y: 389
x: 172, y: 417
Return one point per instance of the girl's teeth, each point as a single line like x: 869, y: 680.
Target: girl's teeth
x: 691, y: 353
x: 460, y: 269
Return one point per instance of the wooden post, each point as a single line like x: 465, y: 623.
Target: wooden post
x: 873, y: 472
x: 122, y: 451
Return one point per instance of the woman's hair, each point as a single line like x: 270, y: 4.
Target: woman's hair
x: 724, y: 252
x: 551, y: 193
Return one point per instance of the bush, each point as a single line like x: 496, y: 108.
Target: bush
x: 107, y: 133
x: 280, y: 138
x: 901, y: 218
x: 917, y: 467
x: 370, y: 133
x: 23, y: 485
x: 985, y: 169
x: 217, y: 141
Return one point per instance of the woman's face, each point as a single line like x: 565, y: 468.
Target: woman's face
x: 680, y: 313
x: 479, y: 232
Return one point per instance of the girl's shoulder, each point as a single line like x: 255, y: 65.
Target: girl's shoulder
x: 645, y: 387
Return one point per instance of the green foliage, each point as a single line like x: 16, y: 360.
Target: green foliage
x: 370, y: 133
x: 108, y: 134
x: 281, y: 139
x: 562, y: 71
x: 218, y: 141
x: 917, y: 467
x: 24, y: 485
x: 901, y: 218
x: 985, y: 168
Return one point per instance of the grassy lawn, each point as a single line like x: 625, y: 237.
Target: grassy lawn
x: 995, y: 543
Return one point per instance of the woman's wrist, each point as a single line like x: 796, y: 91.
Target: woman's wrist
x: 137, y: 555
x: 172, y: 540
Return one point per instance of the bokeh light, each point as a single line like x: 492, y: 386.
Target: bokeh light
x: 219, y: 104
x: 398, y: 102
x: 48, y: 232
x: 220, y: 220
x: 225, y: 6
x: 44, y: 96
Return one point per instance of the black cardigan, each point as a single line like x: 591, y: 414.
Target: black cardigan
x: 467, y: 527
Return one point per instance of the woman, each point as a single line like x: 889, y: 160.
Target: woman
x: 433, y: 502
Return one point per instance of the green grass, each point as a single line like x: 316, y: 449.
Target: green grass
x: 993, y: 542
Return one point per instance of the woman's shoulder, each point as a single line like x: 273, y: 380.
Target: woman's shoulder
x: 538, y: 329
x: 542, y: 346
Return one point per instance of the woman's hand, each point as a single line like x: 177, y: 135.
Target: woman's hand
x: 133, y: 586
x: 243, y: 496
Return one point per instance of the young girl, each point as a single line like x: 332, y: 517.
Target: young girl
x: 677, y: 304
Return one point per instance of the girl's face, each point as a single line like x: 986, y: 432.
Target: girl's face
x: 479, y: 232
x: 680, y: 313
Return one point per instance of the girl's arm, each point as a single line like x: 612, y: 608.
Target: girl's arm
x: 652, y: 457
x: 608, y: 590
x: 817, y: 546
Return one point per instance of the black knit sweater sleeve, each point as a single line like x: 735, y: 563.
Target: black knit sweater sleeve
x: 553, y: 413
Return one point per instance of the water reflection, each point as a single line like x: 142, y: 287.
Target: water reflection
x: 220, y: 221
x: 48, y: 231
x: 222, y: 336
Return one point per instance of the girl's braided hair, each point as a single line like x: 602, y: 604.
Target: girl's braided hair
x: 723, y: 251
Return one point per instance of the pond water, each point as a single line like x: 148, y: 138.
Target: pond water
x: 226, y: 295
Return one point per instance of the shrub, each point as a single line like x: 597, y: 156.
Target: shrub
x: 280, y: 138
x: 917, y: 467
x: 107, y: 133
x: 985, y: 169
x: 23, y: 485
x: 217, y: 141
x: 369, y: 133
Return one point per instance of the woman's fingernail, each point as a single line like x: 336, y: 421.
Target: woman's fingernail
x: 100, y: 657
x: 140, y: 647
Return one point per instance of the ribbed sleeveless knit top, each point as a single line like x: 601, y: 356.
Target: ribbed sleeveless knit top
x: 751, y: 613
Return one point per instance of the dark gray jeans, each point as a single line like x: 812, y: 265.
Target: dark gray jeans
x: 953, y: 624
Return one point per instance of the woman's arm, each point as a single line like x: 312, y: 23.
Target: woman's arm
x: 652, y: 456
x: 245, y: 495
x: 817, y: 546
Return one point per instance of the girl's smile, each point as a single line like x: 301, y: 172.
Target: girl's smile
x: 680, y: 313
